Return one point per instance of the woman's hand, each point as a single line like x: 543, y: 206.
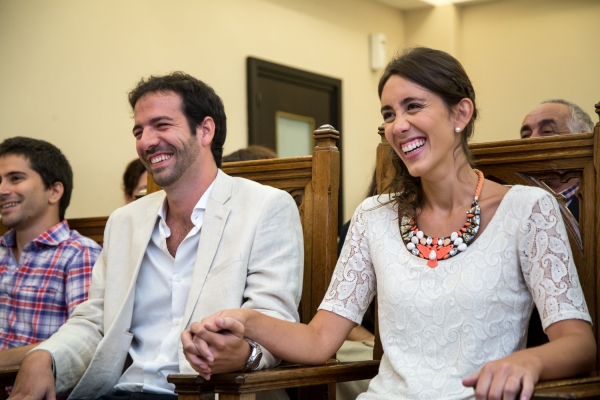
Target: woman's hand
x: 509, y: 378
x: 571, y: 351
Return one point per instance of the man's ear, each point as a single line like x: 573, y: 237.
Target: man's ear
x: 463, y: 113
x: 55, y: 191
x: 205, y: 131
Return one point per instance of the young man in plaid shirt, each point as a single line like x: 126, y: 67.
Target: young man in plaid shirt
x: 558, y: 117
x: 45, y: 268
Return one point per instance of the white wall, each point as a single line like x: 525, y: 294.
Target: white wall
x: 517, y: 53
x: 67, y: 65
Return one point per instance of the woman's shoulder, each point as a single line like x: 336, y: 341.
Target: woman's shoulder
x: 375, y: 208
x: 522, y: 200
x: 528, y: 196
x: 529, y: 192
x: 376, y: 202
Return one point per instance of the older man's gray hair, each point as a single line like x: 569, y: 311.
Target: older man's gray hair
x: 580, y: 121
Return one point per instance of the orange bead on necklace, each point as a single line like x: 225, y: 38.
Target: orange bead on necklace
x: 434, y: 249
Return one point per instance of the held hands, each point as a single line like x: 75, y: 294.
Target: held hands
x: 215, y: 345
x: 509, y: 378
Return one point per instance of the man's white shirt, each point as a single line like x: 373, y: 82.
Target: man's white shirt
x: 161, y: 293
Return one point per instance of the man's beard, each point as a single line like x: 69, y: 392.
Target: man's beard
x: 183, y: 159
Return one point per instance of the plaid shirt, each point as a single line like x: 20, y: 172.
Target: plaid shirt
x: 39, y: 293
x: 569, y: 193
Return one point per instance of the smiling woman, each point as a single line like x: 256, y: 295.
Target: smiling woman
x: 457, y: 262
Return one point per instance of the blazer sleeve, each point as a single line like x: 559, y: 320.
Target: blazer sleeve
x: 276, y: 264
x: 74, y: 344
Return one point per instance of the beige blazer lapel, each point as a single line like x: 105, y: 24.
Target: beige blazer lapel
x: 143, y: 223
x: 215, y: 217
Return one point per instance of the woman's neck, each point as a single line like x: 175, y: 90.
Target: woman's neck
x: 444, y: 192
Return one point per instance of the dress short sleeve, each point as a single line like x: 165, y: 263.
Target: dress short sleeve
x: 547, y: 264
x: 353, y: 284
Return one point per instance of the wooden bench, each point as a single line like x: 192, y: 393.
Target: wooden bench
x: 92, y: 227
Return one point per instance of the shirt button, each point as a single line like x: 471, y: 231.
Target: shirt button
x: 177, y: 278
x: 6, y: 296
x: 1, y: 330
x: 176, y: 322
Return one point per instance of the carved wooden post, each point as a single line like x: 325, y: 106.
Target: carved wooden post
x: 383, y: 174
x: 325, y: 192
x: 321, y: 246
x: 384, y: 168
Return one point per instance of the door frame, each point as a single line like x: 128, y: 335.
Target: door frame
x: 257, y: 68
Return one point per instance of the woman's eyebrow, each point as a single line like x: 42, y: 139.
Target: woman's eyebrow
x: 411, y: 99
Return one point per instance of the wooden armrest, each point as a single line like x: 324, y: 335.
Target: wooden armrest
x: 277, y: 378
x: 295, y: 375
x: 576, y: 388
x: 8, y: 375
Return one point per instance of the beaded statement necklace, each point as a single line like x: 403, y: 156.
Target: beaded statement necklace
x: 435, y: 249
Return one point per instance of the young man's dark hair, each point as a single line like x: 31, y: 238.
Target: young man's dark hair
x: 45, y: 159
x: 199, y: 101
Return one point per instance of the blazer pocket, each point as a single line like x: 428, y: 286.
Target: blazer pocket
x: 219, y: 268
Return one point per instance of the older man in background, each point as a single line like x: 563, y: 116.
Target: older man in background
x: 558, y: 117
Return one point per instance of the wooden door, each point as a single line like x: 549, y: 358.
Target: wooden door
x: 278, y: 93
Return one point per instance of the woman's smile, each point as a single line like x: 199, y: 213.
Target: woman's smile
x: 413, y: 146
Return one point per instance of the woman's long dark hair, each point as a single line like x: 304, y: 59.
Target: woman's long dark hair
x: 443, y: 75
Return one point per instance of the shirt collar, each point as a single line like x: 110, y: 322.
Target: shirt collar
x: 52, y: 237
x: 8, y: 239
x: 570, y: 191
x: 197, y: 214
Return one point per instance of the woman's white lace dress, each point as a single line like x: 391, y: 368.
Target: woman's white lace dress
x: 439, y: 325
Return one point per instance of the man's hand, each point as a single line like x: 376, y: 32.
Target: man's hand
x: 35, y: 380
x: 215, y: 345
x: 509, y: 378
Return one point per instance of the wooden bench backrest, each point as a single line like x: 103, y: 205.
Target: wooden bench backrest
x: 92, y: 227
x: 313, y: 181
x: 528, y: 162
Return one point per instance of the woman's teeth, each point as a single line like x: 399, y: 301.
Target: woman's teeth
x: 412, y: 146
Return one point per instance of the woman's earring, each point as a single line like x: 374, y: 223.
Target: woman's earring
x: 457, y: 129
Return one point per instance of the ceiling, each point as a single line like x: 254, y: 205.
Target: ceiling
x: 413, y: 4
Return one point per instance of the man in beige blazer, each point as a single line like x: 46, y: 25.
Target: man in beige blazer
x: 205, y: 243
